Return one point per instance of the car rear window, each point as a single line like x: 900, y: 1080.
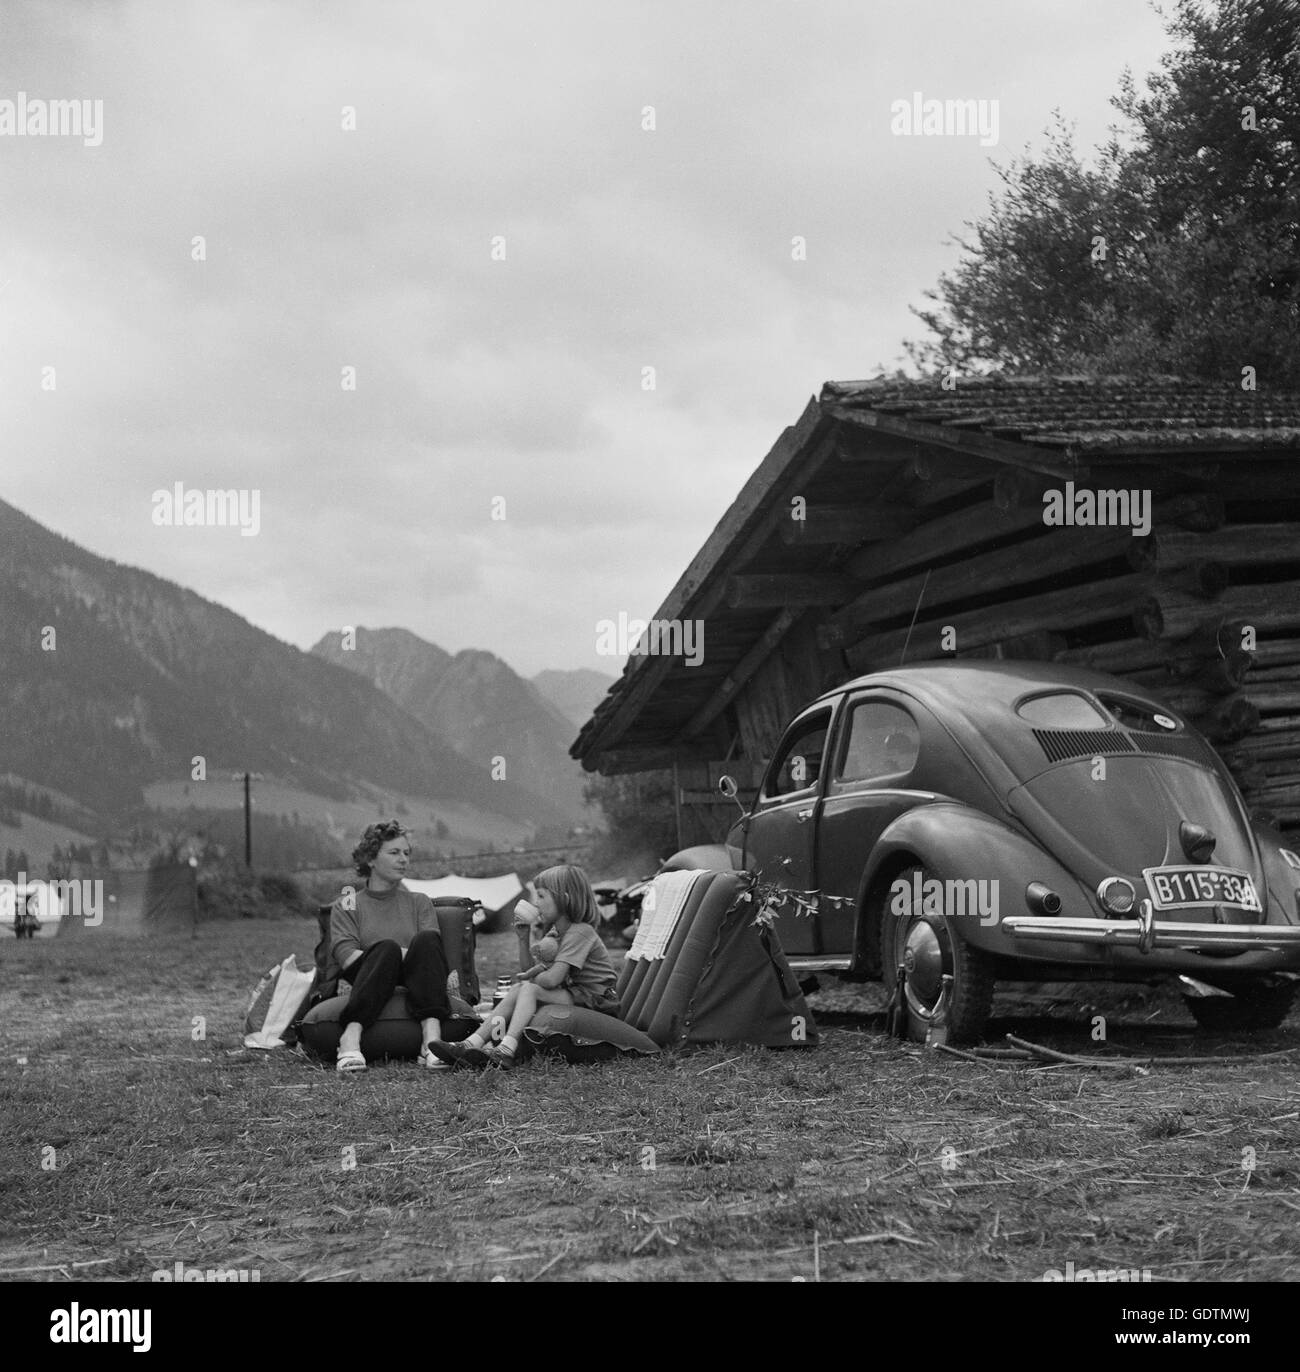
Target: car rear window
x: 1063, y: 710
x: 1133, y: 715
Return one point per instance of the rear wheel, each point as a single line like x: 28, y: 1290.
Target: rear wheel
x: 923, y: 942
x: 1260, y: 1006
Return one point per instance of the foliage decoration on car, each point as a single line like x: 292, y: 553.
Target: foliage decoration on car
x: 770, y: 900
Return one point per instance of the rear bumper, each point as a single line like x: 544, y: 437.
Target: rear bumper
x: 1146, y: 935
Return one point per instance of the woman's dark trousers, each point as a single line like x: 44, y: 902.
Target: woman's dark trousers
x: 381, y: 969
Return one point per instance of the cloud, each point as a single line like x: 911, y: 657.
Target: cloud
x: 326, y: 248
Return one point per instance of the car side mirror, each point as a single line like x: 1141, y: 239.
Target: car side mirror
x: 727, y: 787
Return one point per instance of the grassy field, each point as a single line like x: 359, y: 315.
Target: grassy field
x: 860, y: 1159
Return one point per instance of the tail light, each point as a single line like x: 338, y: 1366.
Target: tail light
x: 1198, y: 841
x: 1117, y: 896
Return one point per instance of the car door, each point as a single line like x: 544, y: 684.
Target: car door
x: 780, y: 842
x: 869, y: 784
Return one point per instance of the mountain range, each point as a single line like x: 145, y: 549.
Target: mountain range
x: 575, y: 694
x: 474, y: 700
x: 121, y: 685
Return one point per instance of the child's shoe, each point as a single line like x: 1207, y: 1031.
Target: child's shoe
x: 453, y: 1054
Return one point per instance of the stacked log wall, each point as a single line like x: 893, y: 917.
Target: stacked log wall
x: 1204, y: 611
x: 790, y: 679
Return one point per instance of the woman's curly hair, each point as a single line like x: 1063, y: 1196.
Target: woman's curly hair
x: 372, y: 841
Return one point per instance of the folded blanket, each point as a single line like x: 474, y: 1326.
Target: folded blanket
x: 660, y: 911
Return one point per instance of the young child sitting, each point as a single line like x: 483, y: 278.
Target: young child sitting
x: 570, y: 967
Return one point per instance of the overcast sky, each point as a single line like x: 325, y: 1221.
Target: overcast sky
x: 477, y: 378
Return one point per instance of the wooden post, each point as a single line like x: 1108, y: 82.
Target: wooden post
x: 677, y: 805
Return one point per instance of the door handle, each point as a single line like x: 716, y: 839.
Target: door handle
x: 803, y: 816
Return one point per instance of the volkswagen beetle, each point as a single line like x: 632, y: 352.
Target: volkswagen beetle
x: 954, y: 824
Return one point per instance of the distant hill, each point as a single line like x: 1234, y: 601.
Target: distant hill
x: 140, y: 676
x: 475, y: 701
x: 402, y: 664
x: 575, y: 694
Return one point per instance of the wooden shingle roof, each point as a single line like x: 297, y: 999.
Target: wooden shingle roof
x: 1085, y: 414
x: 898, y: 461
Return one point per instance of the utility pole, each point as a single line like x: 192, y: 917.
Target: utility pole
x: 249, y: 777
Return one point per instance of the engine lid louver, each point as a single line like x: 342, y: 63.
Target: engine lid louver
x: 1173, y: 745
x: 1062, y: 744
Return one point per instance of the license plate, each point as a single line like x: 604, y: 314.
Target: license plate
x: 1182, y: 888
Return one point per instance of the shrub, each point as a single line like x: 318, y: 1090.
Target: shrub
x: 231, y: 891
x: 279, y: 889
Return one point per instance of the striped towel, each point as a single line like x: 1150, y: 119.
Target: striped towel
x: 667, y: 899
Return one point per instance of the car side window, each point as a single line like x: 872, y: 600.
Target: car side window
x: 799, y: 763
x: 882, y: 740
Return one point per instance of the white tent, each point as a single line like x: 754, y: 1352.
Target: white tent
x: 497, y: 895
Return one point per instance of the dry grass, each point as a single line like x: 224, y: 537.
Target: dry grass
x: 895, y: 1163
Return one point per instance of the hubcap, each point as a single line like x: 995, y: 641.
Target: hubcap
x: 923, y: 962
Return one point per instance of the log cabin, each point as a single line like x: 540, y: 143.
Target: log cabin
x: 923, y: 519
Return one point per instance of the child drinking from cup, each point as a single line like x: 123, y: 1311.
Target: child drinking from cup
x: 570, y: 967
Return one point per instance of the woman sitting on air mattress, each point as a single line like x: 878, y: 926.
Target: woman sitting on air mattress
x: 384, y: 936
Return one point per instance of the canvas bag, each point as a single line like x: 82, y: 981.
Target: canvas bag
x: 278, y: 1002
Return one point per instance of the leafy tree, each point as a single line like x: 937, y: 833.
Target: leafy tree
x: 60, y: 868
x: 640, y: 820
x: 1175, y: 249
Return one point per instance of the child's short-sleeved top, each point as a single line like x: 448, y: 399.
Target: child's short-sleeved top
x: 582, y: 949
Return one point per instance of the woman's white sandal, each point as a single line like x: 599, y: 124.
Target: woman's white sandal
x: 351, y: 1061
